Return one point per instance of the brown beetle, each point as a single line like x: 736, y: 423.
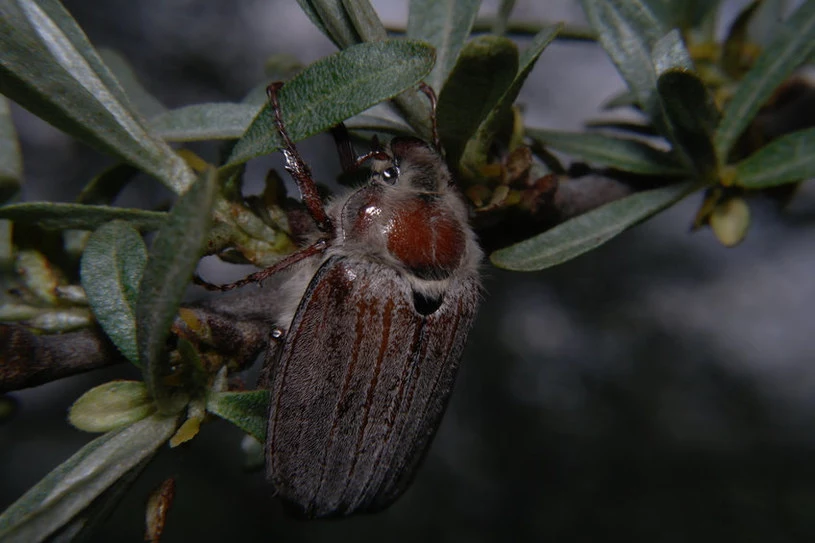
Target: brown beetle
x: 378, y: 311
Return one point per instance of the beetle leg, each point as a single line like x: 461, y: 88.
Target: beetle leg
x: 260, y: 276
x: 297, y: 167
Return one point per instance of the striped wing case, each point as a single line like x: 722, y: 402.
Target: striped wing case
x: 360, y: 385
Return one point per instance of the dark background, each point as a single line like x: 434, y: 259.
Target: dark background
x: 660, y: 388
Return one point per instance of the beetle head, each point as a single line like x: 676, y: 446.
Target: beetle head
x: 413, y: 164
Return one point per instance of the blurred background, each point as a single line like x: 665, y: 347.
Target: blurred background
x: 660, y: 388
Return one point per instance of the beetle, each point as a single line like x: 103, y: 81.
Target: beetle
x: 378, y: 308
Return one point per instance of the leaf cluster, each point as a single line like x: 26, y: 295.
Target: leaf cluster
x: 88, y: 261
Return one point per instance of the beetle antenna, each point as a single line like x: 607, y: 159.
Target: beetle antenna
x: 431, y: 95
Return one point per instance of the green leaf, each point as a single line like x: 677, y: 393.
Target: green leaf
x: 629, y: 127
x: 380, y: 118
x: 111, y: 406
x: 144, y: 102
x: 11, y: 160
x: 414, y: 106
x: 587, y: 231
x: 628, y: 31
x: 693, y: 118
x: 669, y: 53
x: 501, y: 115
x: 59, y: 216
x: 502, y: 17
x: 768, y: 22
x: 365, y: 21
x: 444, y: 24
x: 73, y: 485
x: 788, y: 159
x: 737, y: 39
x: 173, y: 257
x: 308, y: 9
x: 773, y: 66
x: 111, y: 269
x: 484, y: 72
x: 623, y: 154
x: 214, y: 121
x: 249, y: 411
x: 83, y: 525
x: 686, y: 14
x: 625, y: 98
x: 104, y: 188
x: 79, y: 94
x: 334, y: 89
x: 332, y: 20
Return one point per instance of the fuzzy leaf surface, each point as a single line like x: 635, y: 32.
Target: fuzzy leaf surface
x: 173, y: 257
x: 80, y: 95
x: 336, y: 88
x: 61, y: 216
x: 446, y: 25
x: 583, y: 233
x: 624, y: 154
x: 111, y: 270
x: 775, y: 64
x: 788, y: 159
x: 77, y: 482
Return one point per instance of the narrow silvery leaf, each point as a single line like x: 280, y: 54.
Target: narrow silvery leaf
x: 336, y: 88
x: 788, y: 159
x: 414, y: 107
x: 332, y: 19
x: 366, y: 22
x: 173, y: 257
x: 145, y: 103
x: 623, y: 154
x: 59, y: 216
x: 628, y: 30
x: 83, y: 525
x: 502, y: 17
x: 79, y: 94
x: 11, y: 161
x: 218, y: 121
x: 78, y: 481
x: 625, y: 98
x: 446, y: 25
x: 669, y: 53
x: 103, y: 189
x: 775, y: 64
x: 111, y: 269
x: 587, y: 231
x: 380, y: 118
x: 308, y: 9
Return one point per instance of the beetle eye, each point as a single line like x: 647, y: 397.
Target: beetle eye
x: 390, y: 175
